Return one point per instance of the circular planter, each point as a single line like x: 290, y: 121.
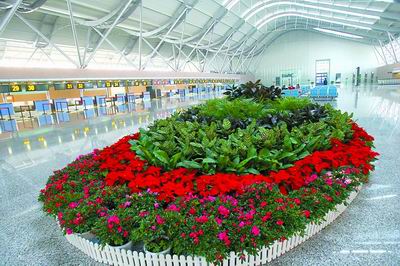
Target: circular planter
x: 127, y: 246
x: 87, y: 235
x: 164, y: 252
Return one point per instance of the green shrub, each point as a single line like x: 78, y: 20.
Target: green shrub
x: 262, y: 142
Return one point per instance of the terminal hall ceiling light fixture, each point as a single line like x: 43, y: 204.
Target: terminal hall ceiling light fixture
x: 339, y: 33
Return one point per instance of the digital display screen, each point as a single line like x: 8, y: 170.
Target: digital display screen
x: 116, y: 84
x: 80, y: 85
x: 4, y: 88
x: 30, y: 87
x: 15, y: 88
x: 108, y: 84
x: 69, y: 86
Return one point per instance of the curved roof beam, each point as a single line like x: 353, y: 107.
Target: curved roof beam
x: 109, y: 19
x: 267, y: 4
x: 265, y: 38
x: 309, y: 26
x: 332, y: 7
x: 268, y: 18
x: 28, y: 8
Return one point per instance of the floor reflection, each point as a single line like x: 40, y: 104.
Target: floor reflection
x: 22, y: 134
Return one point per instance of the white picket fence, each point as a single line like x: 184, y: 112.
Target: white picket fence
x: 113, y: 256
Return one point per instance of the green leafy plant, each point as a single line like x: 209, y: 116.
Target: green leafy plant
x: 254, y: 90
x: 248, y: 140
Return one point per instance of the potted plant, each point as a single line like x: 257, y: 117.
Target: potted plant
x: 159, y: 245
x: 113, y: 231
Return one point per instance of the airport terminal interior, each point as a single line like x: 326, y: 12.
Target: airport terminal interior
x: 199, y: 132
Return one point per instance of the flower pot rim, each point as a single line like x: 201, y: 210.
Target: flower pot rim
x: 161, y: 252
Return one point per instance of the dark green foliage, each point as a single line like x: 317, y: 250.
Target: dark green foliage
x: 254, y: 90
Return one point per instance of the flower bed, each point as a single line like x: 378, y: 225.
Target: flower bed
x: 114, y: 256
x: 227, y: 176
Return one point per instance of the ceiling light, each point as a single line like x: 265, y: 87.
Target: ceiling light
x: 343, y: 34
x: 267, y: 19
x: 247, y: 15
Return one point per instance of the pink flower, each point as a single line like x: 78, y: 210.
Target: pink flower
x: 223, y: 211
x: 279, y: 222
x: 159, y: 219
x: 113, y: 219
x: 173, y: 208
x: 73, y: 205
x: 329, y: 181
x: 202, y: 219
x: 347, y: 181
x: 143, y: 213
x: 222, y: 235
x: 311, y: 178
x: 242, y: 224
x: 69, y: 231
x: 127, y: 204
x: 218, y: 220
x: 255, y: 230
x: 156, y: 205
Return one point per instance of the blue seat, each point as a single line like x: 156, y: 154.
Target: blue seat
x: 323, y: 91
x: 285, y: 93
x: 332, y: 91
x: 295, y: 93
x: 314, y: 92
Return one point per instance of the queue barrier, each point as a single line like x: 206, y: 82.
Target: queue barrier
x: 28, y: 108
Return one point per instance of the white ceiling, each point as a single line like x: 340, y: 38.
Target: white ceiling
x: 177, y: 34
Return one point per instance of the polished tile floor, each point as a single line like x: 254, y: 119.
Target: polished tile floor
x: 368, y: 233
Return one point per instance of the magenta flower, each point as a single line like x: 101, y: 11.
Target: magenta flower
x: 69, y: 231
x: 222, y: 235
x: 218, y: 220
x: 159, y: 219
x: 255, y: 230
x: 73, y: 205
x: 311, y: 178
x: 173, y: 208
x: 202, y: 219
x: 329, y: 181
x: 113, y: 219
x: 223, y: 211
